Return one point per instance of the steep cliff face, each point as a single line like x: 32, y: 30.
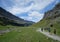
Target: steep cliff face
x: 53, y: 16
x: 54, y: 13
x: 50, y: 17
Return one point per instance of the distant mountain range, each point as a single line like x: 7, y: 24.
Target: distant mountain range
x: 7, y: 18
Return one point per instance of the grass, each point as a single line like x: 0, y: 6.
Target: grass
x: 42, y: 23
x: 45, y: 24
x: 3, y: 27
x: 57, y: 27
x: 6, y: 27
x: 25, y: 34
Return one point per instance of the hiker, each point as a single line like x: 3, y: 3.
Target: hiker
x: 41, y: 29
x: 49, y: 30
x: 54, y: 31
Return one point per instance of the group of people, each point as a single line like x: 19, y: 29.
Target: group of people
x: 49, y: 30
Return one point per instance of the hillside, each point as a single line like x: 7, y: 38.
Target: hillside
x: 7, y: 18
x: 51, y: 17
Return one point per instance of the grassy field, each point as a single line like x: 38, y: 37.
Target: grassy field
x: 25, y: 34
x: 6, y: 27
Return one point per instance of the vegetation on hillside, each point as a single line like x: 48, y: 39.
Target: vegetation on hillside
x: 7, y: 18
x: 51, y: 17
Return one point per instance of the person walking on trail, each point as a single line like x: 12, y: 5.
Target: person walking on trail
x: 49, y: 30
x: 54, y: 31
x: 41, y: 29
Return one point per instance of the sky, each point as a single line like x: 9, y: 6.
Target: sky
x: 31, y: 10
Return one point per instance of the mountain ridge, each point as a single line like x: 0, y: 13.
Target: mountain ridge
x: 50, y: 17
x: 55, y: 12
x: 12, y: 18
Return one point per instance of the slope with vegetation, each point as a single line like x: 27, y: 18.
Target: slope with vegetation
x: 51, y: 17
x: 6, y: 18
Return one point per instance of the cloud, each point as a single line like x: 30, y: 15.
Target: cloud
x: 31, y: 6
x: 40, y: 4
x: 20, y: 5
x: 18, y: 10
x: 34, y: 16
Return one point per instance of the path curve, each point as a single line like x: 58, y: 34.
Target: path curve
x: 55, y: 37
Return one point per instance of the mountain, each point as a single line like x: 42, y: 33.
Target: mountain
x: 8, y: 18
x: 54, y: 13
x: 51, y: 17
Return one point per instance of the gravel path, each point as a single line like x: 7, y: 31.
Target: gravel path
x: 6, y: 31
x: 55, y: 37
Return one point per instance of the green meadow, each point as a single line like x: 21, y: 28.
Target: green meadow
x: 25, y: 34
